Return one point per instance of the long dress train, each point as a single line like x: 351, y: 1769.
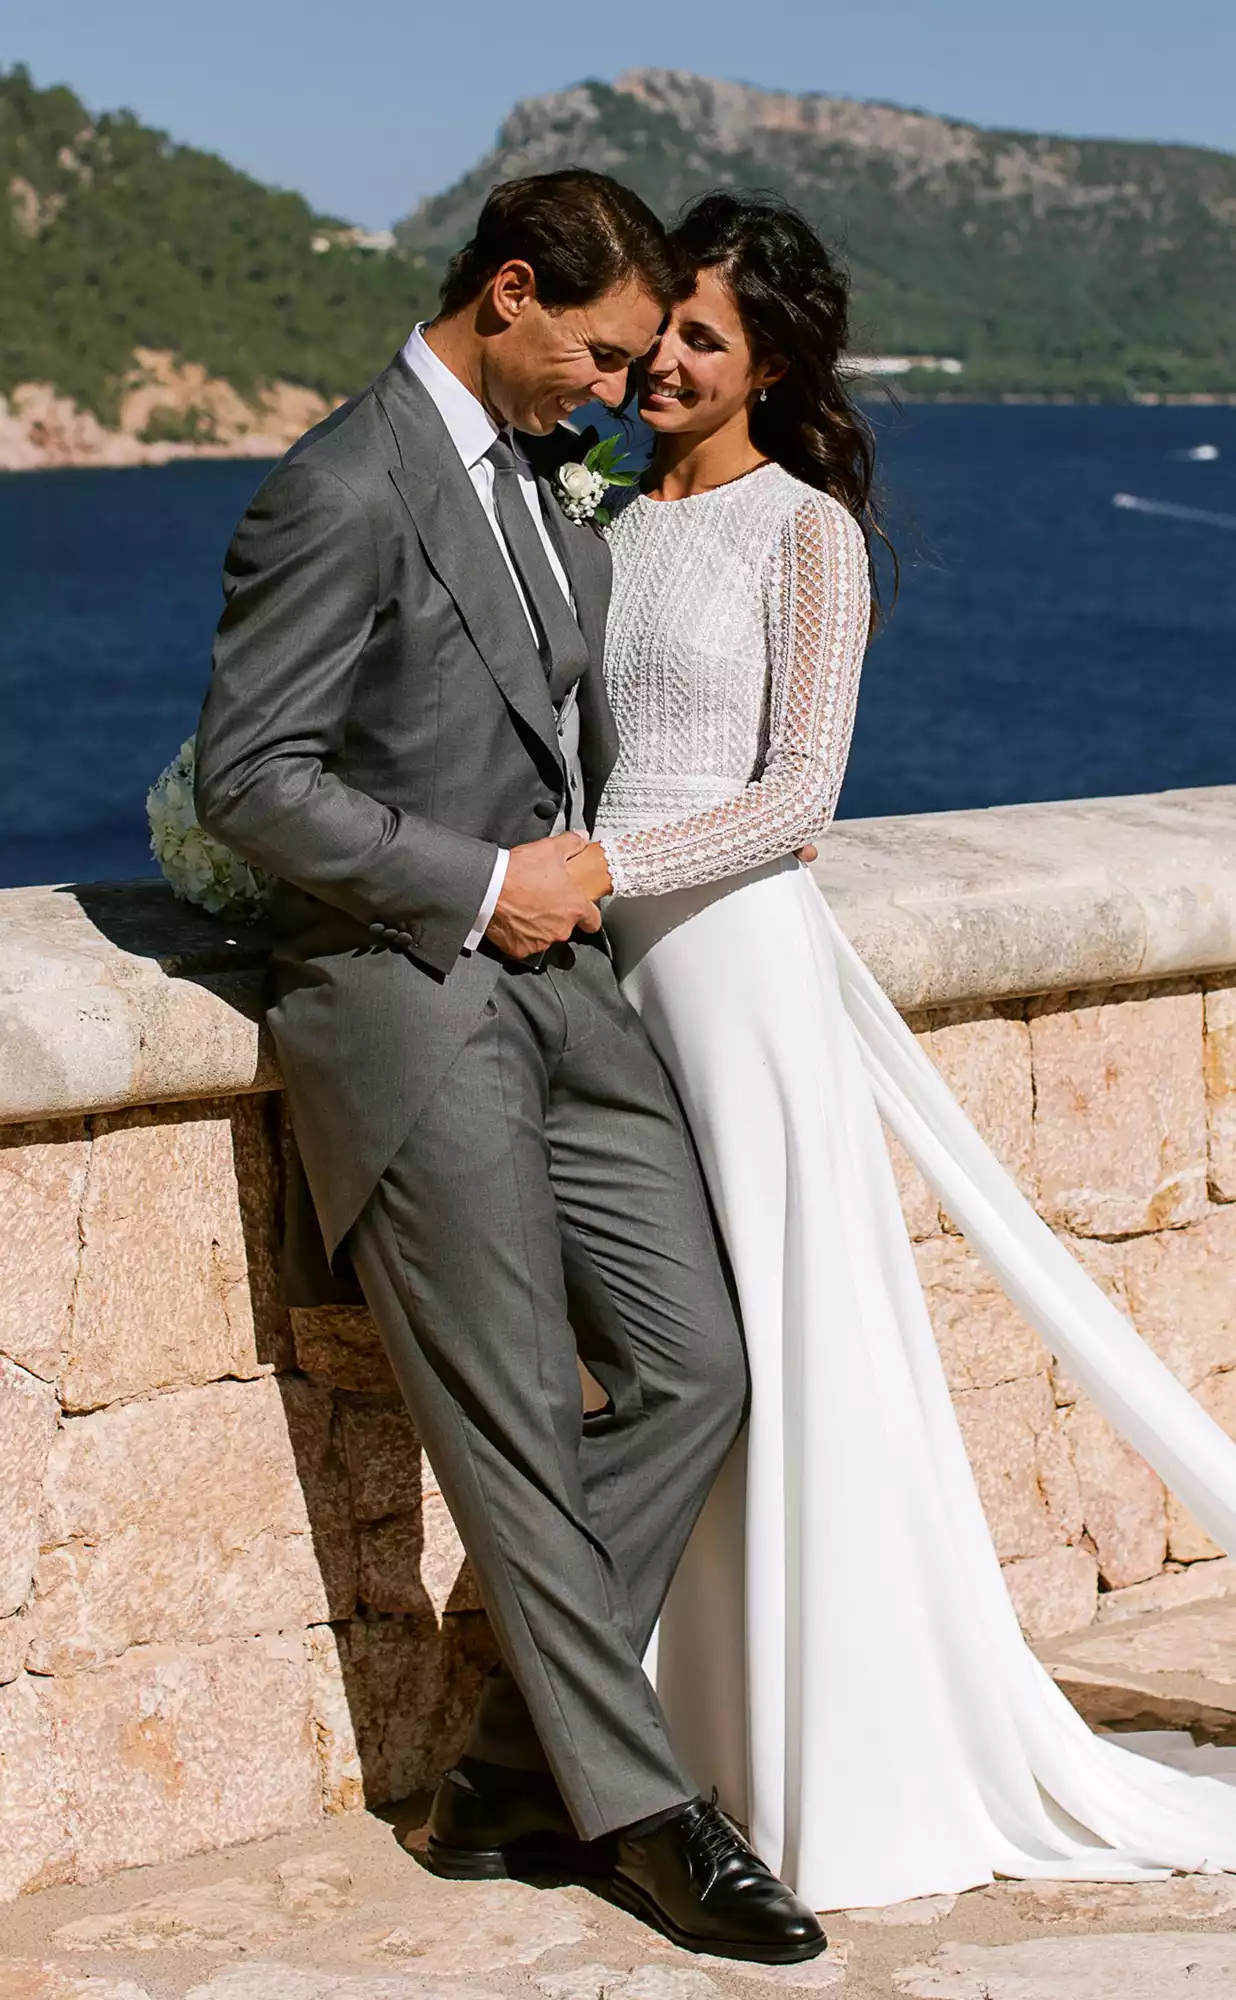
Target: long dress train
x: 839, y: 1654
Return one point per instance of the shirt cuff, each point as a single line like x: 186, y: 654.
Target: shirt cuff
x: 490, y: 904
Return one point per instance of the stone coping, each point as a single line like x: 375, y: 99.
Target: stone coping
x: 114, y: 993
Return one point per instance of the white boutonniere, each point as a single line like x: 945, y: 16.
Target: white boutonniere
x: 581, y: 484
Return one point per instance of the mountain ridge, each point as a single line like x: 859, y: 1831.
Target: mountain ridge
x: 1047, y: 263
x: 159, y: 302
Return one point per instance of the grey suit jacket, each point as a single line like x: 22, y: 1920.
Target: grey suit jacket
x: 377, y: 725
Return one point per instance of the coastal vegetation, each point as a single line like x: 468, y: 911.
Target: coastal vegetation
x: 1044, y: 266
x: 114, y: 238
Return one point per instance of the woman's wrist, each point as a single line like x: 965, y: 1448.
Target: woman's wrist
x: 591, y: 870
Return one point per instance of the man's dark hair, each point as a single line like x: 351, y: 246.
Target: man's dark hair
x: 581, y: 232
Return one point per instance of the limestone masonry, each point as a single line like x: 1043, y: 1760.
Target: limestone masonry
x: 231, y: 1597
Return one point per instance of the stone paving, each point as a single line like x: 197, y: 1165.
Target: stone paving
x: 349, y: 1913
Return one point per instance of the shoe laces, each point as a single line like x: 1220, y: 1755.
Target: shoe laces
x: 715, y: 1839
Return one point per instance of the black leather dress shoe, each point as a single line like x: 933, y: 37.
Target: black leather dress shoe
x: 488, y: 1824
x: 695, y: 1879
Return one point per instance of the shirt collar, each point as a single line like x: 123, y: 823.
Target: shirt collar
x: 472, y: 430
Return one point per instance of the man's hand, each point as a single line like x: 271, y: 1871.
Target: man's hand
x: 541, y: 902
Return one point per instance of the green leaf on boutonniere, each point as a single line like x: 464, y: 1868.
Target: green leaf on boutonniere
x: 605, y: 458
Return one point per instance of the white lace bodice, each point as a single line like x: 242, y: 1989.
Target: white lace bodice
x: 736, y: 635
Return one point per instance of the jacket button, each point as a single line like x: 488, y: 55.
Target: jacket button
x: 546, y: 809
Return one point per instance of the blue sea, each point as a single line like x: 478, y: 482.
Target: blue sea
x: 1047, y: 644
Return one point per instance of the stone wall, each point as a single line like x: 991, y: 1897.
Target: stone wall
x: 231, y: 1597
x: 1114, y: 1109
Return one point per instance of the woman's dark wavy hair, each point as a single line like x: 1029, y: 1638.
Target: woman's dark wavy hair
x: 793, y: 299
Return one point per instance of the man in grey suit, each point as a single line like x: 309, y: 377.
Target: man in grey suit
x: 407, y: 727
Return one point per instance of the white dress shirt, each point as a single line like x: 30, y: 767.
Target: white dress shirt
x: 472, y: 431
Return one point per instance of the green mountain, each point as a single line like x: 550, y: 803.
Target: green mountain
x: 112, y: 238
x: 1044, y: 264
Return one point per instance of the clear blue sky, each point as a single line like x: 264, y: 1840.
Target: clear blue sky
x: 365, y: 107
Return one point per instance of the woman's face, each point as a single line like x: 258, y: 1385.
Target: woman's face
x: 700, y: 373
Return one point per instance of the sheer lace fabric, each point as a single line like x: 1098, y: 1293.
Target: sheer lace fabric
x: 735, y: 643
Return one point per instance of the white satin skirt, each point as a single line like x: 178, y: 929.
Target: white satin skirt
x: 839, y: 1654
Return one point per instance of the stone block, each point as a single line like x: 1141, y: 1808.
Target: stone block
x: 1135, y: 1965
x: 1120, y: 1110
x: 1189, y: 1899
x: 42, y: 1178
x: 393, y: 1701
x: 496, y: 1927
x: 1199, y: 1583
x: 1187, y: 1540
x: 1054, y: 1593
x: 1104, y: 1263
x: 641, y: 1982
x: 44, y: 1979
x: 340, y: 1346
x: 386, y: 1461
x: 415, y: 1563
x: 178, y: 1280
x: 983, y: 1339
x: 984, y: 1057
x: 1025, y: 1482
x: 35, y: 1848
x: 1185, y: 1659
x: 14, y: 1637
x: 266, y: 1979
x: 1182, y: 1294
x: 1123, y: 1500
x: 28, y: 1413
x: 191, y: 1516
x: 1220, y: 1068
x: 918, y: 1203
x: 166, y: 1753
x: 238, y: 1914
x: 411, y: 1557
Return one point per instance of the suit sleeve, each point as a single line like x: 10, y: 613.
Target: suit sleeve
x: 300, y: 595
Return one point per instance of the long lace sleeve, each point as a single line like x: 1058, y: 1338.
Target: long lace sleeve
x: 817, y: 605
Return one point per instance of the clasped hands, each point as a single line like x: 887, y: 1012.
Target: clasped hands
x: 552, y: 888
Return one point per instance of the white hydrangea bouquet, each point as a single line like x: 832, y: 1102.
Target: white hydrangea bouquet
x: 200, y: 869
x: 582, y: 483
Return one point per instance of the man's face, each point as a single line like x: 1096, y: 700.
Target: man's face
x: 542, y: 365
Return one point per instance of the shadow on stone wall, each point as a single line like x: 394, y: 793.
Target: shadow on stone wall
x: 396, y: 1636
x: 397, y: 1669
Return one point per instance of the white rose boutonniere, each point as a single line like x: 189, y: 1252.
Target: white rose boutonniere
x: 582, y: 483
x: 200, y: 869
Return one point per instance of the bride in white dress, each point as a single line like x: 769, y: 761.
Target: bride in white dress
x: 838, y: 1655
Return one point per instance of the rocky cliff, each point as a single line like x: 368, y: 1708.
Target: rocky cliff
x: 1046, y: 264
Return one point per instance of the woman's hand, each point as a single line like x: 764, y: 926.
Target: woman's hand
x: 590, y: 871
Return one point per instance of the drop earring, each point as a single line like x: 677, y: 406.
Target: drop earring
x: 763, y: 395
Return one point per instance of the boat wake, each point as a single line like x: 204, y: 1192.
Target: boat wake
x: 1173, y: 511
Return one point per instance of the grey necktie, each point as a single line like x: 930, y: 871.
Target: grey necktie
x: 563, y: 652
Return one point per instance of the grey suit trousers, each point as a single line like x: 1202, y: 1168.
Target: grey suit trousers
x: 547, y: 1203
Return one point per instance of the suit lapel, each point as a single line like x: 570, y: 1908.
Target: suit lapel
x: 457, y: 539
